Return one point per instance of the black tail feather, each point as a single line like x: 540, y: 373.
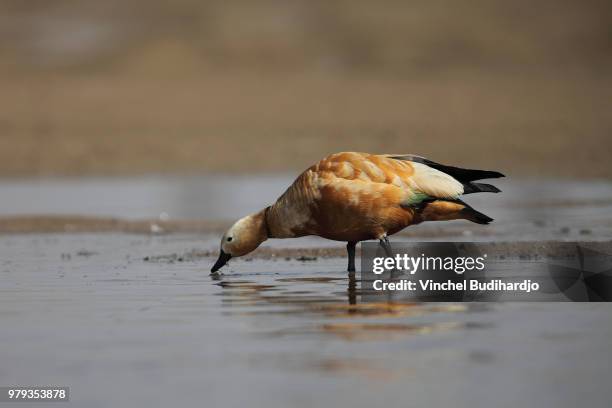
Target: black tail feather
x: 464, y: 175
x: 471, y: 214
x: 469, y: 188
x: 476, y: 216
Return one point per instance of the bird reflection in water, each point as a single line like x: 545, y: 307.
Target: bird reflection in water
x: 330, y: 297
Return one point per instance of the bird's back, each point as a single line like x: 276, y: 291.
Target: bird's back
x: 353, y: 196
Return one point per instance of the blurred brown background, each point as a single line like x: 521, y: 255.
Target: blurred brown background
x: 125, y: 87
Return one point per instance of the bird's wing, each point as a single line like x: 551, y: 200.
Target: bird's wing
x: 417, y: 180
x: 460, y: 174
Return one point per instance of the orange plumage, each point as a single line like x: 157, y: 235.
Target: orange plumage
x: 359, y: 196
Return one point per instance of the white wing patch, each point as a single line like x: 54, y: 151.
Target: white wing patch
x: 433, y: 182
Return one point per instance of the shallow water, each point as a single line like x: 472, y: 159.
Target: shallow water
x: 89, y: 312
x: 86, y: 311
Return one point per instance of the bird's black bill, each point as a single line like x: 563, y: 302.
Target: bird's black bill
x: 223, y: 258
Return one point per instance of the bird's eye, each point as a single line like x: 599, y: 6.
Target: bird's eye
x: 229, y: 239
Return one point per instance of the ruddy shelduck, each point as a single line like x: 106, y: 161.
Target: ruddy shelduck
x: 355, y: 197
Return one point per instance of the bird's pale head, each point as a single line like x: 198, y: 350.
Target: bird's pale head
x: 241, y: 238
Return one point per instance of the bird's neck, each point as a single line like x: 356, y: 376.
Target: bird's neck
x: 282, y: 222
x: 266, y: 225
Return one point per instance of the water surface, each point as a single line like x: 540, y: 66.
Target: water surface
x: 136, y: 320
x: 87, y: 311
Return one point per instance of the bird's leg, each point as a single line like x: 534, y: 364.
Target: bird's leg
x: 384, y: 242
x: 386, y: 245
x: 350, y: 248
x: 352, y: 291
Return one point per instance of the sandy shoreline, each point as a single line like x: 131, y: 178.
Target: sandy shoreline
x: 79, y: 224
